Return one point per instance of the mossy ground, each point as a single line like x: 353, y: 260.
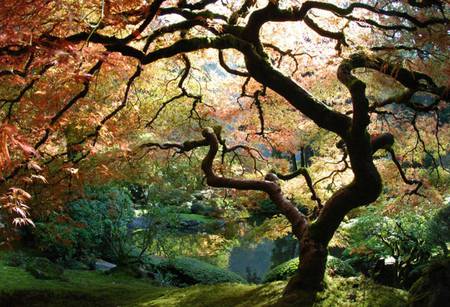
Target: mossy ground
x: 87, y: 288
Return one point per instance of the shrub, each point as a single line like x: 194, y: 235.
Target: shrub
x: 335, y: 266
x: 410, y: 239
x: 185, y: 271
x: 93, y: 226
x: 282, y: 271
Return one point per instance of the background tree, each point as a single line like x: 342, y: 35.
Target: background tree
x: 86, y: 81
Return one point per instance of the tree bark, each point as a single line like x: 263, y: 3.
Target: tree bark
x: 312, y: 265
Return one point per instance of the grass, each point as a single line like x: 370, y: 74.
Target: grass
x: 88, y: 288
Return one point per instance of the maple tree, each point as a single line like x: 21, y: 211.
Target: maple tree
x: 86, y: 81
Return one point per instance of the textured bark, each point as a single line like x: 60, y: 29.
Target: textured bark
x: 312, y: 265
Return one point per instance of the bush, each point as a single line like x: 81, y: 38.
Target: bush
x: 94, y: 226
x: 335, y: 266
x: 282, y: 271
x: 185, y: 271
x: 410, y: 239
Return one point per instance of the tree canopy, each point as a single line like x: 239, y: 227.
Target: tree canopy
x: 91, y: 88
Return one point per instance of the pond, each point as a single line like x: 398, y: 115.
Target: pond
x: 253, y: 261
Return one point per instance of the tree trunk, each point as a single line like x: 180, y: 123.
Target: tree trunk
x: 312, y: 265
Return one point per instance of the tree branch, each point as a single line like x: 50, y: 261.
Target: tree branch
x: 304, y: 172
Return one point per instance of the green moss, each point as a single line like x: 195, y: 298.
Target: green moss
x: 42, y: 268
x: 360, y: 291
x: 335, y: 266
x: 88, y: 288
x: 20, y: 288
x: 223, y: 295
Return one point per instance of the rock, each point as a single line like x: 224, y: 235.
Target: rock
x: 42, y: 268
x: 102, y: 265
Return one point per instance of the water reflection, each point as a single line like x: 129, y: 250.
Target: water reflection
x: 253, y: 261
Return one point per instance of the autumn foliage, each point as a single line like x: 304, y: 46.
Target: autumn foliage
x: 89, y: 89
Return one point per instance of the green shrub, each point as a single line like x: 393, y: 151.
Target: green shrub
x: 93, y: 226
x: 282, y: 271
x: 409, y: 238
x: 335, y: 266
x: 185, y: 271
x: 438, y: 233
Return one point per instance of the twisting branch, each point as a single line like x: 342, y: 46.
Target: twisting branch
x: 296, y: 218
x: 438, y: 141
x: 228, y: 68
x: 184, y: 93
x: 268, y: 185
x: 290, y: 53
x: 11, y: 101
x: 334, y: 173
x: 254, y: 153
x: 416, y: 182
x: 195, y: 6
x: 339, y: 36
x: 84, y: 91
x: 152, y: 10
x: 421, y: 141
x: 242, y: 12
x: 259, y: 107
x: 22, y: 73
x: 179, y: 148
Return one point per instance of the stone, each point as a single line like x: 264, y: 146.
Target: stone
x: 104, y: 266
